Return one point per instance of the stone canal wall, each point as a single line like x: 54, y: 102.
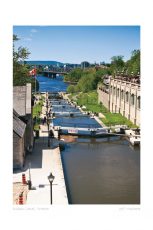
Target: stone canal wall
x: 123, y: 97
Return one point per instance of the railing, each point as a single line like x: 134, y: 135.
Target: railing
x: 135, y: 81
x: 126, y: 82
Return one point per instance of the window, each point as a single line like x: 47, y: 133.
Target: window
x: 118, y: 92
x: 122, y: 94
x: 127, y: 96
x: 138, y: 102
x: 132, y: 99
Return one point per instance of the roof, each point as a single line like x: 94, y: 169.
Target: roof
x: 15, y: 113
x: 18, y: 125
x: 22, y: 99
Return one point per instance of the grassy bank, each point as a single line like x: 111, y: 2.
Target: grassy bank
x: 37, y: 108
x: 90, y: 100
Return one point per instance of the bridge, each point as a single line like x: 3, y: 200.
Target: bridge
x: 52, y: 74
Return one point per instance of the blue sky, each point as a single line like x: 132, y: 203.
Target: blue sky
x: 74, y: 44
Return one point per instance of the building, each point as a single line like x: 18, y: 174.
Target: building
x: 19, y: 128
x: 22, y: 104
x: 122, y: 97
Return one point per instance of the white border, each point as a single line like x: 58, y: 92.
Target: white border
x: 76, y: 13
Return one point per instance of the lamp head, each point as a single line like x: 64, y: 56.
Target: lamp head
x: 51, y: 177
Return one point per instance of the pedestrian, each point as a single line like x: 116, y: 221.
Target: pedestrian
x: 51, y: 134
x: 44, y: 119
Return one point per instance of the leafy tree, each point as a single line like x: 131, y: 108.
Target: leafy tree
x: 23, y: 53
x: 88, y: 79
x: 133, y: 65
x: 74, y: 75
x: 87, y: 83
x: 71, y: 89
x: 21, y: 71
x: 117, y: 64
x: 101, y: 73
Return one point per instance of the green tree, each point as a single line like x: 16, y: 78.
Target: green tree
x: 71, y: 89
x: 74, y: 75
x: 100, y: 73
x: 87, y: 83
x: 117, y: 64
x: 20, y: 70
x: 133, y: 65
x: 87, y: 79
x: 23, y: 53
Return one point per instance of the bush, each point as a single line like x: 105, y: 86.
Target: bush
x: 71, y: 89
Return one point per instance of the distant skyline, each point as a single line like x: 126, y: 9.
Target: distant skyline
x: 74, y: 44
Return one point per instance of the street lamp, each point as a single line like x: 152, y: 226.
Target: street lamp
x: 51, y: 178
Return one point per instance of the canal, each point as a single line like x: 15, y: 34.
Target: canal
x: 51, y: 85
x: 98, y: 170
x: 102, y: 171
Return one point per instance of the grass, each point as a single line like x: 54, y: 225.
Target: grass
x: 90, y: 100
x: 37, y: 111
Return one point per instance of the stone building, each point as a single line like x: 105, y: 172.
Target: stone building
x: 122, y: 97
x: 18, y: 141
x: 22, y: 103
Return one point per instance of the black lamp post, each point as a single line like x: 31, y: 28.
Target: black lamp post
x: 51, y: 178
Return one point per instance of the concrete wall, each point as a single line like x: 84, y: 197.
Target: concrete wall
x: 29, y: 132
x: 29, y: 127
x: 124, y: 99
x: 103, y: 97
x: 18, y: 151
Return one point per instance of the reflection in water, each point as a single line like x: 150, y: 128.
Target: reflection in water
x: 102, y: 171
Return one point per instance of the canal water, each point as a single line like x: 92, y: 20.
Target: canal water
x: 102, y: 171
x: 98, y: 170
x: 76, y: 122
x: 51, y: 85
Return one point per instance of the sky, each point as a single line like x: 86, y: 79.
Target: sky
x: 74, y: 44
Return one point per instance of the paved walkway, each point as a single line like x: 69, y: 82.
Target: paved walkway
x: 48, y: 160
x: 42, y: 161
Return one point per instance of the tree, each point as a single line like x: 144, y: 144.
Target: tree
x: 71, y: 89
x: 23, y: 53
x: 74, y: 75
x: 133, y: 65
x: 87, y: 83
x: 117, y: 64
x: 20, y: 70
x: 99, y: 75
